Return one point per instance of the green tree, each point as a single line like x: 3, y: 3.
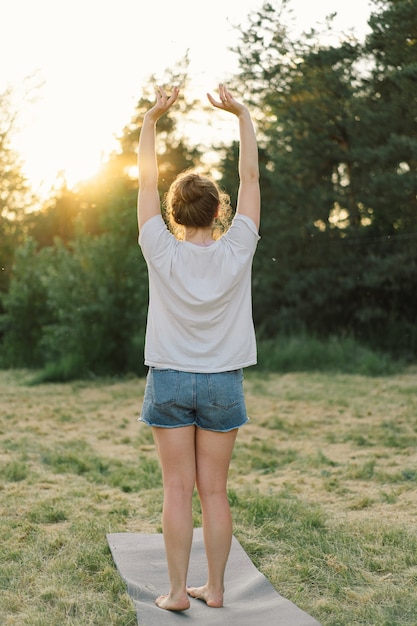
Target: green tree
x: 15, y: 195
x: 338, y: 174
x: 26, y: 310
x: 57, y: 218
x: 97, y: 299
x: 389, y: 118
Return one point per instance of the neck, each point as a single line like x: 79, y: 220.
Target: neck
x: 199, y: 236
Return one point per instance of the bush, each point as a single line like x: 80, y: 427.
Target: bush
x: 78, y: 310
x: 307, y: 353
x: 26, y: 309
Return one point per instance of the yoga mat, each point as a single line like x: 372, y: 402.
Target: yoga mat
x: 250, y: 599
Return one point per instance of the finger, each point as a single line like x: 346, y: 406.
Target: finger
x: 164, y: 94
x: 214, y: 102
x: 227, y: 96
x: 225, y: 93
x: 173, y: 96
x: 159, y: 94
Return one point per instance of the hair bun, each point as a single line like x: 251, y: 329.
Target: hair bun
x: 193, y: 200
x: 191, y: 190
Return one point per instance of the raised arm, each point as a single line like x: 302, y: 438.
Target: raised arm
x: 148, y: 196
x: 249, y: 197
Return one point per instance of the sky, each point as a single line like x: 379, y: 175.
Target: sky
x: 91, y: 60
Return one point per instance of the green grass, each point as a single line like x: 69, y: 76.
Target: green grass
x: 323, y: 489
x: 358, y: 573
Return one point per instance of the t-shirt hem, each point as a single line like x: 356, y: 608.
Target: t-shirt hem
x: 200, y: 370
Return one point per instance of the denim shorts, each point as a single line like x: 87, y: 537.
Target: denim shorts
x: 212, y: 401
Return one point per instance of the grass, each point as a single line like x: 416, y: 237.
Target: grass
x: 323, y: 488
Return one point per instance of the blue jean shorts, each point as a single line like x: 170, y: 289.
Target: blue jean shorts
x: 212, y: 401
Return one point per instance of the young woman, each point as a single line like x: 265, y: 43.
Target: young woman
x: 199, y: 336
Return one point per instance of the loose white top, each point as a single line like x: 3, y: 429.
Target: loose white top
x: 200, y: 300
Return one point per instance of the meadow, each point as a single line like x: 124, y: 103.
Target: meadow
x: 323, y: 488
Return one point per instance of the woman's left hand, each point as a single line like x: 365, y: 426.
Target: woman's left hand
x: 163, y: 103
x: 227, y: 102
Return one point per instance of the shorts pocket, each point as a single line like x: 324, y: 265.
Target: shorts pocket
x: 225, y: 389
x: 163, y: 386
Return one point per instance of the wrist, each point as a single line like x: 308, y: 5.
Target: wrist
x: 150, y: 118
x: 244, y: 112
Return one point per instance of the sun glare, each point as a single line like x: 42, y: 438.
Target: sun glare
x: 94, y: 76
x: 51, y: 167
x: 56, y: 150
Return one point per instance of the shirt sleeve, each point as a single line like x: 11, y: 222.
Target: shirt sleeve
x: 154, y: 237
x: 243, y: 232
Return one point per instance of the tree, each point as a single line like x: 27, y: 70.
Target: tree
x: 389, y: 118
x: 15, y: 195
x: 26, y: 310
x: 338, y: 158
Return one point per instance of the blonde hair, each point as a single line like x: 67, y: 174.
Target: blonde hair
x: 196, y: 201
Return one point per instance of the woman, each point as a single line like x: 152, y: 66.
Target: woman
x: 199, y: 336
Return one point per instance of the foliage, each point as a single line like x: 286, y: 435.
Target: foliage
x: 306, y: 353
x: 339, y: 177
x: 27, y: 312
x: 15, y: 195
x: 79, y: 310
x: 96, y: 292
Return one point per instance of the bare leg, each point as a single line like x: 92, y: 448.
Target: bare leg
x: 176, y: 448
x: 213, y: 454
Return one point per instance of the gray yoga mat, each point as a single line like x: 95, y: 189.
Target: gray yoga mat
x: 249, y: 600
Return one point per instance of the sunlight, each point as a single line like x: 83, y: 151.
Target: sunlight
x: 76, y: 164
x: 339, y: 216
x: 94, y: 76
x: 73, y: 148
x: 132, y: 172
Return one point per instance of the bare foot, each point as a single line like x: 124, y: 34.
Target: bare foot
x: 171, y: 604
x: 214, y: 600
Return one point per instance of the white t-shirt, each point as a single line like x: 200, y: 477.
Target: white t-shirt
x: 200, y: 300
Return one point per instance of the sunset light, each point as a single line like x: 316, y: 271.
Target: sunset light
x: 94, y: 59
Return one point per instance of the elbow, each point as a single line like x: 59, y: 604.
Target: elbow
x: 251, y: 177
x: 255, y: 175
x: 147, y: 180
